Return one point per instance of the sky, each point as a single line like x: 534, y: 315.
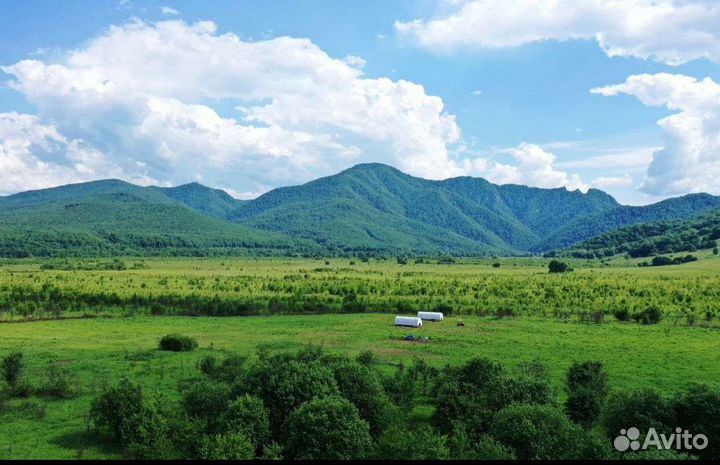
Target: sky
x: 245, y: 95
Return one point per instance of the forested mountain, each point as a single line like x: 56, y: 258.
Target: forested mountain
x: 117, y: 218
x: 648, y: 239
x: 377, y: 206
x: 367, y: 209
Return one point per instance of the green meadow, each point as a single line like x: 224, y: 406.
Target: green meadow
x: 97, y: 347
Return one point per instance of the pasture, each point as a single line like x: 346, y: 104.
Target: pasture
x: 100, y: 325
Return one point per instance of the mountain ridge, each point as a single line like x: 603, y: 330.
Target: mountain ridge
x: 369, y: 208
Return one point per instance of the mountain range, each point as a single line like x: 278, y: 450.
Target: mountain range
x: 367, y: 209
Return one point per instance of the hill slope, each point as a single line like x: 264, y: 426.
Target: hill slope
x: 648, y: 239
x: 117, y: 218
x: 367, y: 209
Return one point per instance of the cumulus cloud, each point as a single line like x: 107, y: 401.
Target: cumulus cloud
x: 35, y: 155
x: 534, y: 166
x: 147, y: 95
x: 669, y: 31
x: 690, y: 158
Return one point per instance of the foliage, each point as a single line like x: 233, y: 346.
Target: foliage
x: 642, y: 409
x: 247, y: 415
x: 227, y: 446
x: 178, y: 343
x: 423, y: 443
x: 587, y: 388
x: 328, y: 428
x: 12, y: 367
x: 556, y: 266
x: 206, y: 401
x: 539, y: 432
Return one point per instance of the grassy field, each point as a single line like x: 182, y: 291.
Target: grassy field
x: 547, y: 325
x: 101, y: 351
x: 522, y: 287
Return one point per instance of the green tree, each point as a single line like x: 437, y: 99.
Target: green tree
x: 539, y: 432
x: 587, y: 388
x: 115, y: 406
x: 642, y: 409
x: 247, y: 415
x: 327, y: 428
x: 12, y: 367
x: 227, y: 446
x: 556, y: 266
x: 697, y: 409
x: 206, y: 401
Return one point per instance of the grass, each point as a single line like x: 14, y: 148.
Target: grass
x: 101, y: 351
x: 98, y: 351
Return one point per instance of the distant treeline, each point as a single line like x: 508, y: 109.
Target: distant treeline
x: 648, y: 239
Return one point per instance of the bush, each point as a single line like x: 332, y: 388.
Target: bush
x: 361, y: 386
x: 697, y: 409
x: 475, y: 392
x: 485, y: 448
x: 538, y: 432
x: 400, y: 443
x: 285, y: 383
x: 622, y: 314
x: 114, y: 407
x: 146, y: 434
x: 178, y: 343
x: 58, y: 383
x: 12, y: 367
x: 247, y: 415
x: 327, y: 428
x: 227, y: 446
x: 587, y: 388
x: 650, y: 316
x: 556, y: 266
x: 643, y: 409
x: 206, y: 401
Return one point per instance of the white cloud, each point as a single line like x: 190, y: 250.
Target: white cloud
x: 690, y: 159
x: 143, y: 95
x: 603, y: 182
x: 629, y: 158
x: 533, y: 166
x: 669, y: 31
x: 169, y: 11
x: 35, y: 155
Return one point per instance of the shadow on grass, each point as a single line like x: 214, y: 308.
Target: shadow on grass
x: 81, y: 441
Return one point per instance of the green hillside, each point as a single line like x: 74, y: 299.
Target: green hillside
x: 117, y: 218
x: 370, y: 209
x: 377, y: 207
x: 648, y: 239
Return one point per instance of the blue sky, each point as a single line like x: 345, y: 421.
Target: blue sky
x: 511, y: 107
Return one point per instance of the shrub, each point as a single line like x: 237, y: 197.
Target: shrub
x: 327, y: 428
x: 58, y: 383
x: 476, y: 391
x: 111, y: 409
x: 715, y: 250
x: 650, y: 316
x: 697, y: 409
x: 643, y: 409
x: 587, y: 388
x: 12, y: 367
x: 462, y: 447
x: 622, y: 314
x: 146, y: 434
x: 538, y: 432
x: 556, y: 266
x: 206, y: 401
x: 285, y: 383
x: 361, y: 386
x: 401, y: 443
x: 247, y: 415
x: 227, y: 446
x: 178, y: 343
x: 366, y: 358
